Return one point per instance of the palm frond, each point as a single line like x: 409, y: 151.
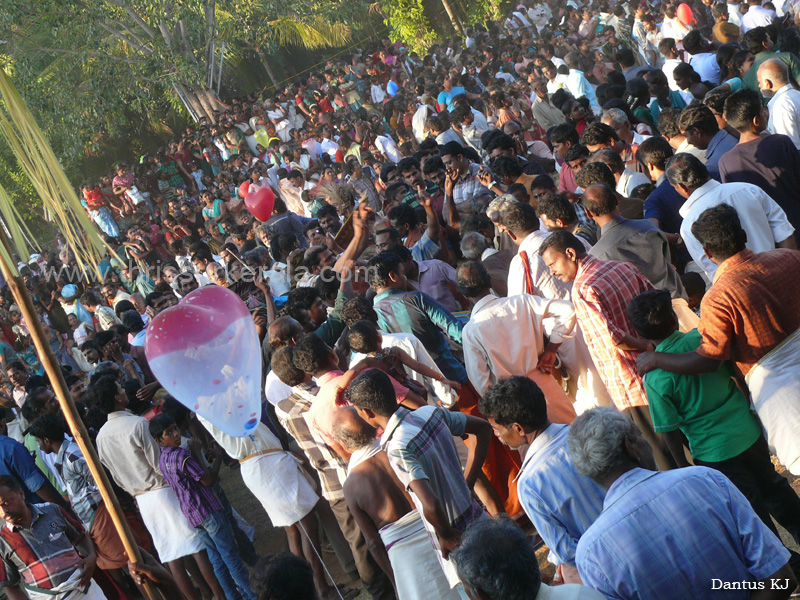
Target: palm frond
x: 61, y: 204
x: 313, y: 34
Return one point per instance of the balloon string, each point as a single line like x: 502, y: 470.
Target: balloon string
x: 328, y: 573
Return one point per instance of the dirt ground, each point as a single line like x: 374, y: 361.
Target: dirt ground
x: 269, y: 540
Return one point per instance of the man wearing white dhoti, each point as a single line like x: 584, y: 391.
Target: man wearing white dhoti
x: 751, y: 316
x: 277, y: 479
x: 385, y: 513
x: 130, y: 454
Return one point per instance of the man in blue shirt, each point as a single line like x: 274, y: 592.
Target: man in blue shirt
x: 685, y: 533
x: 560, y: 502
x: 701, y: 129
x: 16, y: 462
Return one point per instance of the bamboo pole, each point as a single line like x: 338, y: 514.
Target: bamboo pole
x: 74, y: 422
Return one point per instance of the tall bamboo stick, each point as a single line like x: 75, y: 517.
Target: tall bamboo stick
x: 74, y: 422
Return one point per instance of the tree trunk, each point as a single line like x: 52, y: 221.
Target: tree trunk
x: 208, y: 98
x: 189, y: 97
x: 267, y: 67
x: 206, y: 102
x: 452, y: 14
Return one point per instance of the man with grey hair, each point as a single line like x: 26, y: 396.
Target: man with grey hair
x: 496, y: 561
x: 621, y: 124
x: 385, y: 513
x: 506, y: 336
x: 476, y: 246
x: 684, y: 533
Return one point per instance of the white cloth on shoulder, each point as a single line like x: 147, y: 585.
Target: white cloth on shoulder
x: 417, y: 572
x: 775, y: 390
x: 162, y: 515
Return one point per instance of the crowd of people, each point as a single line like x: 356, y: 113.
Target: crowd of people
x: 538, y: 286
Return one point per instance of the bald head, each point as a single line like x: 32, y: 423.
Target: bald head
x: 284, y: 331
x: 772, y: 76
x: 350, y: 430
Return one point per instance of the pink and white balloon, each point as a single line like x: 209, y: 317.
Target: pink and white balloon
x: 205, y: 352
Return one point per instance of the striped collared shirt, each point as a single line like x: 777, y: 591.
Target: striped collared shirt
x: 293, y: 415
x: 560, y: 502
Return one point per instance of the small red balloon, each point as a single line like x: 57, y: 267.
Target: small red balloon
x: 685, y: 14
x: 260, y: 203
x: 243, y: 189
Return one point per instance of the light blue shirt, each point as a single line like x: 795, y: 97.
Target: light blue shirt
x: 663, y: 536
x: 578, y: 86
x: 560, y: 502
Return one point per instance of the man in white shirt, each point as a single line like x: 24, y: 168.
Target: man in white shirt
x: 386, y: 145
x: 762, y: 219
x: 505, y: 337
x: 784, y: 103
x: 577, y: 83
x: 527, y: 273
x: 626, y: 179
x: 669, y: 51
x: 757, y: 16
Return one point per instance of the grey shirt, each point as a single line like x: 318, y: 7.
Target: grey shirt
x: 645, y: 246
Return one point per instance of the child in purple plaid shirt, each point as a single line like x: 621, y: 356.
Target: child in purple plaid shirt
x: 191, y: 482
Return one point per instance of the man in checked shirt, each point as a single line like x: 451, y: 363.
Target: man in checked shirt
x: 43, y: 550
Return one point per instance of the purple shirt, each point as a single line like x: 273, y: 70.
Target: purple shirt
x: 435, y: 277
x: 183, y: 474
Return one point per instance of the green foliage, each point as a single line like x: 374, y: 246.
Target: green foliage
x: 409, y: 22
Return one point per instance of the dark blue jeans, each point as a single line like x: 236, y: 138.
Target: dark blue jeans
x: 217, y: 535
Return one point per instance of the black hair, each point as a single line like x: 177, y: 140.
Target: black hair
x: 610, y: 158
x: 122, y: 306
x: 403, y: 215
x: 560, y: 241
x: 558, y: 207
x: 102, y: 392
x: 472, y: 278
x: 593, y: 173
x: 687, y: 170
x: 700, y: 117
x: 311, y: 354
x: 284, y: 577
x: 655, y: 151
x: 515, y: 400
x: 507, y: 166
x: 358, y: 309
x: 282, y: 364
x: 178, y: 411
x: 159, y: 424
x: 741, y: 108
x: 51, y: 426
x: 563, y: 133
x: 380, y: 267
x: 651, y: 314
x: 576, y: 152
x: 373, y: 390
x: 10, y: 483
x: 719, y: 231
x: 598, y: 133
x: 499, y: 140
x: 363, y: 337
x: 451, y: 149
x: 754, y: 40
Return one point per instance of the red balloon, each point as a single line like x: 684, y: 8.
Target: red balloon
x: 685, y: 14
x: 260, y: 203
x: 243, y: 189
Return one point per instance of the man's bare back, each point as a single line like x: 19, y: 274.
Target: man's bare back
x: 373, y: 488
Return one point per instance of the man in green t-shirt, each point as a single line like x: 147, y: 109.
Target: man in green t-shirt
x: 714, y: 415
